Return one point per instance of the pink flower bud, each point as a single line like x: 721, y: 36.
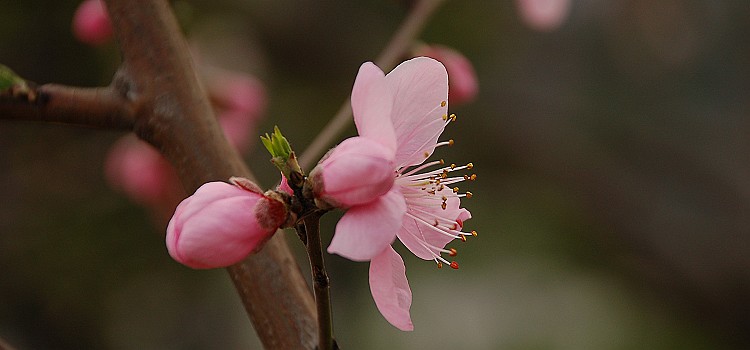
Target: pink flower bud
x: 91, y: 24
x: 357, y: 171
x: 544, y: 15
x: 462, y: 80
x: 221, y: 224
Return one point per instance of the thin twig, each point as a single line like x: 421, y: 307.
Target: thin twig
x: 321, y: 285
x: 397, y: 47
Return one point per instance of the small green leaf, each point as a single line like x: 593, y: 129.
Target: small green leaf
x: 9, y: 78
x: 282, y: 155
x: 267, y: 143
x: 277, y: 144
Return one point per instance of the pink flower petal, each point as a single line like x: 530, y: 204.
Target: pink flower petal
x: 356, y: 172
x: 223, y: 234
x: 462, y: 80
x: 371, y: 103
x: 414, y: 233
x: 366, y: 230
x: 284, y: 186
x: 209, y: 193
x: 419, y: 86
x: 390, y: 288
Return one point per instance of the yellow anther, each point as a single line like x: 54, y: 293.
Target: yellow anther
x: 469, y: 194
x: 445, y: 117
x: 473, y: 177
x: 453, y: 252
x: 470, y: 166
x: 444, y: 205
x: 453, y: 117
x: 453, y: 166
x: 455, y: 189
x: 463, y: 238
x: 426, y: 155
x: 442, y: 162
x: 450, y: 142
x: 473, y: 233
x: 443, y: 103
x: 440, y: 265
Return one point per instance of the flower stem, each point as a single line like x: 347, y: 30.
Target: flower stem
x: 321, y: 285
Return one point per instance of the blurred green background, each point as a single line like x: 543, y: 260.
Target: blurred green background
x: 612, y: 201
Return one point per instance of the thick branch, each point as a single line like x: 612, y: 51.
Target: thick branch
x: 174, y: 115
x: 94, y: 107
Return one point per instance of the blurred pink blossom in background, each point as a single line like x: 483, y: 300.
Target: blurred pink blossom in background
x: 462, y: 79
x: 240, y: 100
x: 544, y: 15
x: 91, y: 24
x: 140, y: 171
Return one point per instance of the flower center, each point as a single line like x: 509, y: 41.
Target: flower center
x: 434, y: 206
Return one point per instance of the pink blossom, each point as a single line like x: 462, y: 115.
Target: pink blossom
x: 138, y: 169
x: 91, y: 24
x: 238, y: 92
x: 221, y: 224
x: 544, y: 15
x: 419, y: 208
x: 240, y: 100
x: 463, y: 82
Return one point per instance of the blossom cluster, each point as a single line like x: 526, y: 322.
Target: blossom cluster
x: 382, y: 178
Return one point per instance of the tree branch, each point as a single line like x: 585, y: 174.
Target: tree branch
x: 397, y: 47
x: 174, y: 115
x: 156, y: 94
x: 321, y: 283
x: 93, y: 107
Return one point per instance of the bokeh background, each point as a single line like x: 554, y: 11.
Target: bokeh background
x: 612, y: 201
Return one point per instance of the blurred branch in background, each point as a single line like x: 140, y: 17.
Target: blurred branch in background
x: 402, y: 40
